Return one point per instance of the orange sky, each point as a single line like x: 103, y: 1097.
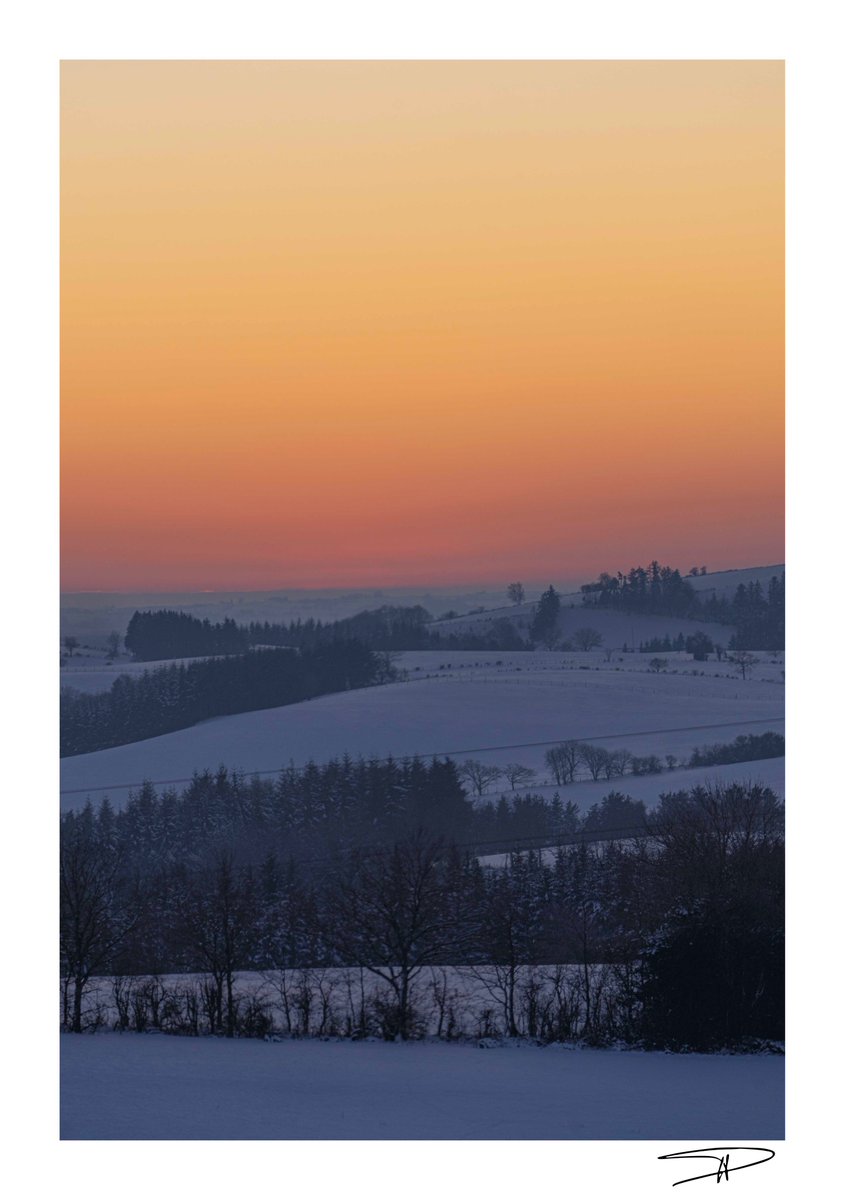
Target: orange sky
x: 345, y: 323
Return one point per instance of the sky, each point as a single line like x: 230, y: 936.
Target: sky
x: 398, y: 323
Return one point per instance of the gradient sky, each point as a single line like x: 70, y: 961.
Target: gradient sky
x: 394, y: 323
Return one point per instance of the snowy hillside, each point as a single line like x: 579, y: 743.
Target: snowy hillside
x: 723, y: 584
x: 468, y: 705
x: 619, y: 629
x: 91, y: 672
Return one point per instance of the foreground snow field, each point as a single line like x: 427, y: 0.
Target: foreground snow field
x: 131, y: 1086
x: 463, y: 709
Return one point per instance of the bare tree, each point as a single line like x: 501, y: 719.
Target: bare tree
x: 70, y: 644
x: 218, y: 924
x: 704, y: 827
x: 396, y: 913
x: 91, y: 925
x: 563, y: 761
x: 386, y: 670
x: 595, y: 759
x: 587, y: 639
x: 744, y: 661
x: 516, y: 593
x: 510, y: 936
x: 516, y: 774
x: 479, y: 775
x: 617, y: 763
x: 113, y: 643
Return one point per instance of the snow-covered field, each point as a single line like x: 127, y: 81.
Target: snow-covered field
x: 497, y: 707
x: 491, y: 664
x: 136, y: 1086
x: 616, y: 628
x: 91, y: 672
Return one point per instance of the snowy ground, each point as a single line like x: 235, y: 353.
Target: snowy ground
x: 93, y: 672
x: 131, y: 1086
x: 618, y: 629
x: 492, y: 706
x: 493, y: 664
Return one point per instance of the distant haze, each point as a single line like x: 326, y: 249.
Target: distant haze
x: 95, y: 614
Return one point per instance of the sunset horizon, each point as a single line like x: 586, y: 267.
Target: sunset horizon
x: 339, y: 324
x: 555, y: 575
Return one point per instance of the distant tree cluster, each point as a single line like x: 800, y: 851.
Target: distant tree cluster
x: 163, y: 634
x: 177, y: 696
x: 676, y: 937
x: 656, y: 590
x: 748, y: 747
x: 569, y: 761
x: 663, y: 645
x: 387, y: 628
x: 758, y: 615
x: 699, y: 645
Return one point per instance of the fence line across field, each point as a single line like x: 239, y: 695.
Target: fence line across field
x: 291, y: 768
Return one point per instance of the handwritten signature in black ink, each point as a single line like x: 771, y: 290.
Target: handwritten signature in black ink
x: 721, y: 1155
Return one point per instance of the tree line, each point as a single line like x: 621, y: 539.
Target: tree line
x: 748, y: 747
x: 165, y: 633
x: 179, y: 695
x: 323, y: 808
x: 690, y: 918
x: 757, y: 614
x: 573, y: 761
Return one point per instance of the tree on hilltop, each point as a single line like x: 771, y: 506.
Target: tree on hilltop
x: 516, y: 593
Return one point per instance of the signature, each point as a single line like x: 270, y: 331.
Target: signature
x: 721, y: 1155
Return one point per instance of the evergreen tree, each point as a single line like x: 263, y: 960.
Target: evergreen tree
x: 544, y: 625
